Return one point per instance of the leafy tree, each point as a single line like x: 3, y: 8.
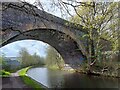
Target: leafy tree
x: 96, y: 17
x: 37, y: 59
x: 53, y: 58
x: 26, y: 59
x: 2, y: 62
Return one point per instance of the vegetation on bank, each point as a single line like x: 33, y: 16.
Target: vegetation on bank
x: 105, y: 68
x: 4, y: 73
x: 54, y: 67
x: 53, y: 59
x: 23, y: 71
x: 28, y: 81
x: 105, y: 65
x: 26, y: 59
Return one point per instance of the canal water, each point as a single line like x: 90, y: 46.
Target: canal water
x: 64, y: 79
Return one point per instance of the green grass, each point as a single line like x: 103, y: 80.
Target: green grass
x: 28, y: 81
x: 4, y: 73
x: 53, y: 67
x: 23, y: 71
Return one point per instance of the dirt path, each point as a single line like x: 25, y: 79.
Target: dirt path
x: 14, y: 82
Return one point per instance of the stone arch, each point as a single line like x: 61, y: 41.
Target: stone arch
x: 64, y: 44
x: 20, y: 17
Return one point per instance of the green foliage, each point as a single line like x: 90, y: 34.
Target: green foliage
x: 23, y: 71
x: 53, y: 59
x: 100, y: 19
x: 2, y: 61
x: 4, y: 73
x: 27, y: 60
x: 6, y: 66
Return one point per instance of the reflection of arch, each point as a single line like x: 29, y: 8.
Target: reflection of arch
x: 63, y: 43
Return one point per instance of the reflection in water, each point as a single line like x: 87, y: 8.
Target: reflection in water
x: 63, y: 79
x: 39, y: 74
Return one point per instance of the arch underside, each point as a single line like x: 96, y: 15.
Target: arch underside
x: 63, y: 43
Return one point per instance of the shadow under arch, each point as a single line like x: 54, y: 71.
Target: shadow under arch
x: 63, y: 43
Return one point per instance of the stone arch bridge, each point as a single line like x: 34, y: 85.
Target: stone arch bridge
x: 22, y: 21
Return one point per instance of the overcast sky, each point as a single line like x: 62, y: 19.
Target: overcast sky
x: 33, y: 46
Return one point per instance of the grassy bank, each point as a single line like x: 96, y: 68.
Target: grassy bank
x: 28, y: 81
x: 4, y: 73
x: 53, y: 67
